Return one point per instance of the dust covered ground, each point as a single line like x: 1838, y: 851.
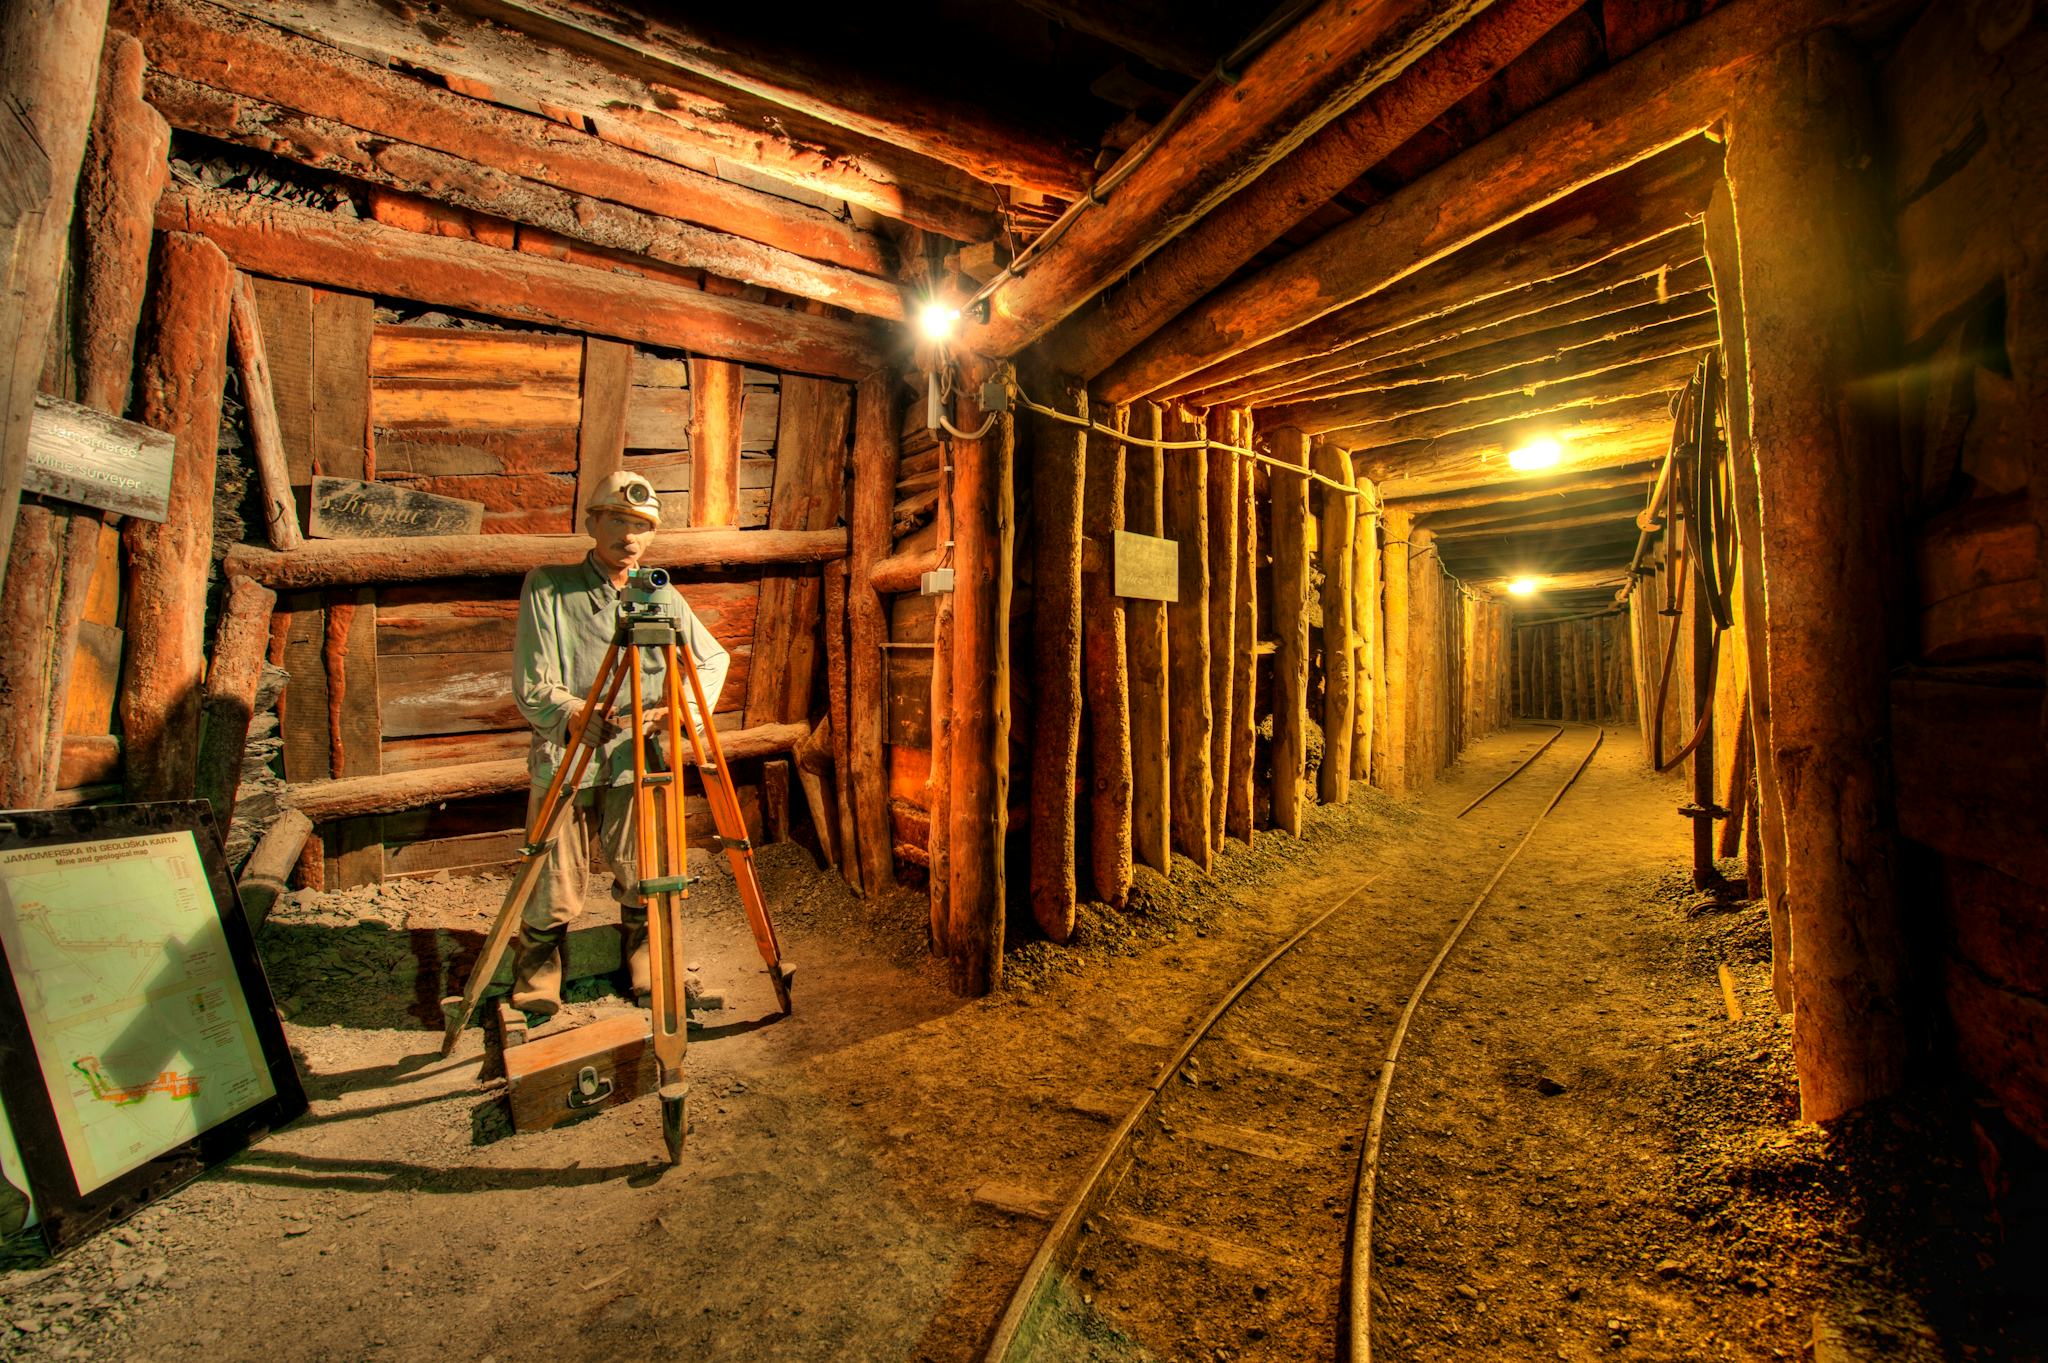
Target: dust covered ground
x: 1586, y: 1156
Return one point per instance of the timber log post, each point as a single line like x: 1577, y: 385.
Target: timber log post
x: 1290, y: 627
x: 230, y: 699
x: 984, y: 520
x: 1105, y: 680
x: 124, y: 172
x: 1335, y: 527
x: 1244, y: 670
x: 1805, y: 176
x: 1145, y: 646
x: 1189, y: 717
x: 183, y: 370
x: 1059, y: 453
x: 875, y: 449
x: 1365, y: 620
x: 1724, y: 259
x: 1392, y: 742
x: 1222, y: 489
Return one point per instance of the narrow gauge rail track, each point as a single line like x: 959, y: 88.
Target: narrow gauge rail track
x: 1229, y: 1214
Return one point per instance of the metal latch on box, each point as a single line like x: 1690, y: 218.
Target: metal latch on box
x: 590, y: 1090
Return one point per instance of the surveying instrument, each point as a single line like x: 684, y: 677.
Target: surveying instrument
x: 646, y: 622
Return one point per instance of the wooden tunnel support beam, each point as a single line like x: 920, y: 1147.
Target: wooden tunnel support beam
x: 1328, y: 59
x: 1335, y: 527
x: 939, y: 785
x: 1244, y: 674
x: 984, y: 520
x: 1806, y: 180
x: 49, y: 65
x: 1290, y: 627
x: 183, y: 369
x: 1145, y: 636
x: 1191, y: 717
x: 1724, y: 257
x: 1656, y: 98
x: 1059, y: 457
x: 1176, y: 276
x: 124, y: 172
x: 875, y: 451
x: 1365, y: 627
x: 1225, y: 469
x: 1104, y: 675
x: 839, y: 711
x: 1390, y: 744
x: 232, y: 676
x: 276, y: 239
x: 717, y: 395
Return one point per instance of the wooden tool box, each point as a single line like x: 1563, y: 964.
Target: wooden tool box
x: 561, y: 1076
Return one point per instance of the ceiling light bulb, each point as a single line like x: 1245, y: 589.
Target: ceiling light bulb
x: 1537, y: 454
x: 1522, y: 586
x: 936, y: 321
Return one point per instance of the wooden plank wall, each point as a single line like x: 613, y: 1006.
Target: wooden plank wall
x: 1967, y: 113
x: 518, y: 421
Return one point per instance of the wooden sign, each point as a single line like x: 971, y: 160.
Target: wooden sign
x: 80, y: 455
x: 345, y: 509
x: 1147, y: 567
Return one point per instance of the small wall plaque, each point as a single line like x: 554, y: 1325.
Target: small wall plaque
x: 1147, y: 568
x: 80, y: 455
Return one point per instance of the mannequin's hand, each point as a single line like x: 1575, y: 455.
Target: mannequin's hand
x: 653, y: 720
x: 602, y: 726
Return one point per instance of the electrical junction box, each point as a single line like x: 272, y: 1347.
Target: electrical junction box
x: 937, y: 582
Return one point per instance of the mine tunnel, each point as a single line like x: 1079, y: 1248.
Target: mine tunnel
x: 1024, y: 680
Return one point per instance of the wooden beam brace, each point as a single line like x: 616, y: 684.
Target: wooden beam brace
x: 875, y: 446
x: 717, y: 396
x: 1226, y: 473
x: 1603, y: 221
x: 1239, y: 774
x: 123, y: 173
x: 183, y: 370
x: 212, y: 53
x: 475, y: 187
x: 1666, y: 264
x: 1210, y: 250
x: 49, y: 66
x: 1620, y: 433
x: 301, y: 244
x: 1146, y: 644
x: 1290, y: 627
x: 1523, y: 488
x: 1335, y: 525
x: 1190, y: 716
x: 686, y: 122
x: 1335, y: 54
x: 1105, y: 677
x: 984, y: 521
x: 232, y: 675
x: 353, y: 563
x: 1659, y: 97
x: 1057, y: 478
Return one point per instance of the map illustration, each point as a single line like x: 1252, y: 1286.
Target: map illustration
x: 139, y: 1020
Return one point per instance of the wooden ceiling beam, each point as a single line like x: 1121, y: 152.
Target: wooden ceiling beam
x: 1661, y: 96
x: 1573, y: 399
x: 966, y: 136
x: 681, y: 122
x: 1537, y: 561
x: 1586, y: 581
x: 336, y: 148
x: 1539, y: 380
x: 1502, y: 520
x: 1565, y: 532
x: 1632, y: 277
x: 1614, y: 217
x: 1208, y: 252
x: 1336, y: 54
x: 1619, y: 337
x: 1522, y: 488
x: 312, y: 247
x: 1620, y: 433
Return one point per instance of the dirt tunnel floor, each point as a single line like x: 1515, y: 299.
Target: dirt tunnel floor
x: 1587, y: 1157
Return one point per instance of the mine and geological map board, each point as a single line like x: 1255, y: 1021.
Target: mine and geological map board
x: 132, y: 997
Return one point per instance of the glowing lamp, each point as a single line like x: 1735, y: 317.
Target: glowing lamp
x: 1537, y: 454
x: 936, y: 322
x: 1522, y: 586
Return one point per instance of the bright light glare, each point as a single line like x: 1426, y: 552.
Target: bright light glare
x: 936, y: 321
x: 1522, y: 586
x: 1537, y: 454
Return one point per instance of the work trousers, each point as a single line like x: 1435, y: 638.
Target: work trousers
x: 600, y: 814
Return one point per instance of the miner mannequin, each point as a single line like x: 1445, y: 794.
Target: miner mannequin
x: 567, y: 620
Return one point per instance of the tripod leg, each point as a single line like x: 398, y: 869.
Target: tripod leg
x: 658, y: 822
x: 457, y: 1010
x: 731, y: 823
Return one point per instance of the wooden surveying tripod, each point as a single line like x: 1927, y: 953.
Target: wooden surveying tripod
x: 663, y: 852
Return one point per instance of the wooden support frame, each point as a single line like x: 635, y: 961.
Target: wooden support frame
x: 1244, y: 689
x: 875, y: 450
x: 1225, y: 472
x: 1104, y: 671
x: 1336, y: 524
x: 1290, y: 626
x: 124, y: 171
x: 1146, y: 650
x: 1059, y: 456
x: 1190, y: 717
